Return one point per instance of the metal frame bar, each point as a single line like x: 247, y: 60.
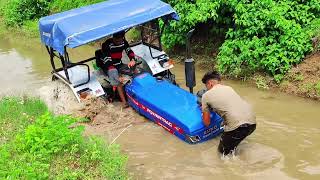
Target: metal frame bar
x: 66, y: 64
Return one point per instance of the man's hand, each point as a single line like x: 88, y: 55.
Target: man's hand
x: 131, y: 63
x: 206, y: 118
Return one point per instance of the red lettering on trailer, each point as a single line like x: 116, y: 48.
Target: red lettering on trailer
x: 158, y: 118
x: 165, y: 127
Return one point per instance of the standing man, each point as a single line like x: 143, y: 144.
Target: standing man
x: 111, y: 62
x: 239, y: 118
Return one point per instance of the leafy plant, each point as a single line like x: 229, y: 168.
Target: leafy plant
x: 16, y: 114
x: 306, y: 88
x: 317, y: 87
x: 298, y: 77
x: 48, y: 147
x: 263, y: 35
x: 18, y: 11
x: 63, y: 5
x: 261, y: 82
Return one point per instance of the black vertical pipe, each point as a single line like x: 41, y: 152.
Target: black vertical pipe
x: 190, y: 73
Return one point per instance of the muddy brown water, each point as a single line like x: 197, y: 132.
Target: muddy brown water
x: 286, y: 144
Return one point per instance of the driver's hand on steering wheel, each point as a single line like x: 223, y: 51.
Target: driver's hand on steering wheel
x: 131, y: 63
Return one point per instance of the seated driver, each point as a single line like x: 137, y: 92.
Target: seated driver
x: 111, y: 62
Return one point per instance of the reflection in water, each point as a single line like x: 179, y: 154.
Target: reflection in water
x: 285, y: 145
x: 25, y: 65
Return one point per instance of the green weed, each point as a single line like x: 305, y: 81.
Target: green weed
x: 271, y: 37
x: 261, y: 82
x: 16, y: 12
x: 317, y: 87
x: 284, y: 85
x: 306, y: 88
x: 298, y: 77
x: 63, y: 5
x: 48, y: 147
x: 16, y: 114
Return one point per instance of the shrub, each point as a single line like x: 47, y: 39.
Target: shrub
x: 15, y: 12
x: 47, y: 147
x: 263, y: 35
x: 63, y: 5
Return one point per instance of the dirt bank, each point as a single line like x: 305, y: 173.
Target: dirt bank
x: 103, y: 118
x: 304, y: 79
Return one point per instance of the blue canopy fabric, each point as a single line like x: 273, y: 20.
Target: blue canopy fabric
x: 80, y: 26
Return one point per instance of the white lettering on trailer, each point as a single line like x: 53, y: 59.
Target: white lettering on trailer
x: 159, y: 117
x: 46, y: 34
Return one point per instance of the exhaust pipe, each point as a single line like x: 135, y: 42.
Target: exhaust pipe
x: 190, y: 73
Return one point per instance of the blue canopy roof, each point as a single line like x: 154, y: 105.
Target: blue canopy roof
x: 86, y: 24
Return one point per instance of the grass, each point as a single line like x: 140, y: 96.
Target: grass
x: 261, y: 82
x: 63, y: 5
x: 38, y: 145
x: 29, y: 28
x: 298, y: 77
x: 306, y: 88
x: 314, y: 31
x: 317, y: 87
x: 2, y: 4
x: 16, y: 114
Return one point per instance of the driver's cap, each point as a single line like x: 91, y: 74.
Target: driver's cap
x: 119, y: 34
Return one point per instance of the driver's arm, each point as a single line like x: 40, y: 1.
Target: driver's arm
x: 128, y: 50
x: 205, y: 111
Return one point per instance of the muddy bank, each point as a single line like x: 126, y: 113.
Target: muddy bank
x: 102, y: 118
x: 302, y: 80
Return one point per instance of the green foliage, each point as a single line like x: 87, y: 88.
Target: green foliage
x: 263, y: 35
x: 261, y: 82
x: 16, y: 114
x: 314, y: 31
x: 2, y: 4
x: 133, y: 35
x: 31, y: 28
x: 63, y: 5
x: 306, y: 88
x: 267, y: 38
x: 15, y: 12
x: 52, y: 147
x: 317, y: 87
x: 298, y: 77
x: 191, y: 13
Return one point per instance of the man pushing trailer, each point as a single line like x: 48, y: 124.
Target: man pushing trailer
x: 239, y: 118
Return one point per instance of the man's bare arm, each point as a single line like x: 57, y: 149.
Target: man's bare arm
x: 206, y: 118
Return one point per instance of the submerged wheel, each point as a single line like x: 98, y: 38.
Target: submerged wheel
x: 53, y: 78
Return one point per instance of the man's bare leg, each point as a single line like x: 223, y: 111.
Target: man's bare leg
x: 121, y: 94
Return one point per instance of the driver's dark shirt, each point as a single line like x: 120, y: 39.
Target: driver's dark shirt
x: 112, y: 54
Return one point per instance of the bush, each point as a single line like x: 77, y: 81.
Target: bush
x: 63, y: 5
x: 16, y: 114
x: 191, y: 13
x: 317, y: 87
x: 15, y: 12
x: 263, y: 35
x: 49, y: 148
x: 268, y: 38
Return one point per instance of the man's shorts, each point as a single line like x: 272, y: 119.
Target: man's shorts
x: 231, y: 139
x: 113, y: 75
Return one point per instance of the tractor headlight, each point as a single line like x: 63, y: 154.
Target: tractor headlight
x: 193, y: 139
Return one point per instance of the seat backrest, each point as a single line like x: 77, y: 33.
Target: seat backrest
x: 98, y: 55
